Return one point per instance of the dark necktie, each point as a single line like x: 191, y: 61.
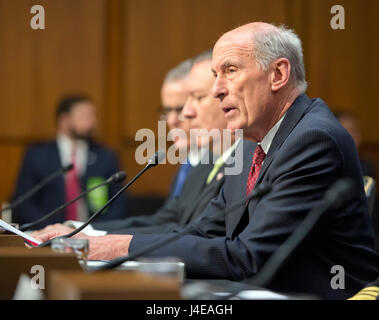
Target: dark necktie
x: 184, y: 170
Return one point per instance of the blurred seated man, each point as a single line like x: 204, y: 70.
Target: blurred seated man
x: 76, y: 123
x: 173, y: 97
x: 201, y: 111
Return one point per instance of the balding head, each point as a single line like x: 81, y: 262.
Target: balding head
x: 267, y: 43
x: 259, y: 72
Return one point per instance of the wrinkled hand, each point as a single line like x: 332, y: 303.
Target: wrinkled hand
x: 108, y: 247
x: 43, y: 237
x: 58, y: 228
x: 100, y: 248
x: 53, y: 227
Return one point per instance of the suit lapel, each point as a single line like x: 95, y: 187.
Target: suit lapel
x: 239, y: 187
x: 57, y: 163
x: 205, y: 196
x: 197, y: 178
x: 292, y: 117
x: 91, y: 168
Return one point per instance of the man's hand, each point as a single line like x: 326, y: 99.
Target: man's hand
x: 108, y: 247
x: 100, y: 248
x: 52, y: 228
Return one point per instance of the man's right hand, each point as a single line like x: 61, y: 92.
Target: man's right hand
x: 58, y: 228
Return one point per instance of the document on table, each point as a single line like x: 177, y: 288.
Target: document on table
x: 25, y: 236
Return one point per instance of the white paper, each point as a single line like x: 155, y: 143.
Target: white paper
x: 89, y: 230
x: 8, y: 227
x: 255, y: 295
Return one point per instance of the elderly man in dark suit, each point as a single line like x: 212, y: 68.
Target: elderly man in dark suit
x: 302, y: 149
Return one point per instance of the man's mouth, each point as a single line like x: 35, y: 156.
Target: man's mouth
x: 227, y: 110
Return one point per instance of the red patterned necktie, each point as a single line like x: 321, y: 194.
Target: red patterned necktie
x: 259, y: 156
x: 72, y: 188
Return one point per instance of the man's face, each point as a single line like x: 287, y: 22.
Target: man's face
x: 242, y: 87
x: 81, y: 121
x: 173, y: 97
x: 201, y: 107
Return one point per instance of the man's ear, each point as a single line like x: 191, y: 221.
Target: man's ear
x: 281, y: 70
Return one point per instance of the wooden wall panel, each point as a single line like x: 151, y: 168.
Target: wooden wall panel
x: 119, y: 50
x: 37, y: 67
x: 160, y: 34
x: 341, y: 62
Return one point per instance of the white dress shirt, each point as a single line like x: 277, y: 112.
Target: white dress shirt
x: 65, y: 145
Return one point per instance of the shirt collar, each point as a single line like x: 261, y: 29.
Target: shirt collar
x: 267, y: 140
x: 66, y: 142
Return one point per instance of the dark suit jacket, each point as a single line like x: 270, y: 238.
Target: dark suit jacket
x: 40, y: 160
x: 178, y: 211
x: 310, y: 151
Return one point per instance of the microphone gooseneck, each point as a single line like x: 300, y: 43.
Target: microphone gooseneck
x: 153, y: 161
x: 37, y: 187
x: 117, y: 177
x: 257, y: 192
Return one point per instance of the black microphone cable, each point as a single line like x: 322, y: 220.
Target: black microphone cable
x: 37, y: 187
x: 258, y: 191
x: 117, y: 177
x: 153, y: 161
x: 336, y: 197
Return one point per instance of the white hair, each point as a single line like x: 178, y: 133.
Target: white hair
x: 281, y: 43
x: 179, y: 72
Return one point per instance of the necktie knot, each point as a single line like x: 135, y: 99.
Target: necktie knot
x: 259, y: 155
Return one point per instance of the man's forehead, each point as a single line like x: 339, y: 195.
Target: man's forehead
x: 239, y: 41
x: 200, y: 76
x: 226, y: 52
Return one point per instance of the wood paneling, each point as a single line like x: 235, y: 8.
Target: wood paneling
x: 39, y: 66
x: 118, y: 51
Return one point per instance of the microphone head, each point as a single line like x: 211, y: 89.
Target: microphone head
x: 118, y: 177
x: 68, y: 167
x: 341, y: 192
x: 156, y: 158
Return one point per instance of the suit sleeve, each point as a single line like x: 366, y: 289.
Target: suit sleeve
x: 30, y: 209
x: 165, y: 219
x: 299, y: 178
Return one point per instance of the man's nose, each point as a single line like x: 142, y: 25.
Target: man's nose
x: 173, y: 120
x: 219, y: 89
x: 189, y: 111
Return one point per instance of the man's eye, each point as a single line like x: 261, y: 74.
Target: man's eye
x: 231, y: 70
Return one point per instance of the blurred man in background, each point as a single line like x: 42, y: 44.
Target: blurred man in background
x: 173, y: 97
x: 350, y: 123
x: 92, y: 164
x: 201, y: 112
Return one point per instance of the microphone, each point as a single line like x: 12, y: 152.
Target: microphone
x: 117, y: 177
x: 336, y: 197
x: 37, y: 187
x: 153, y: 161
x: 257, y: 192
